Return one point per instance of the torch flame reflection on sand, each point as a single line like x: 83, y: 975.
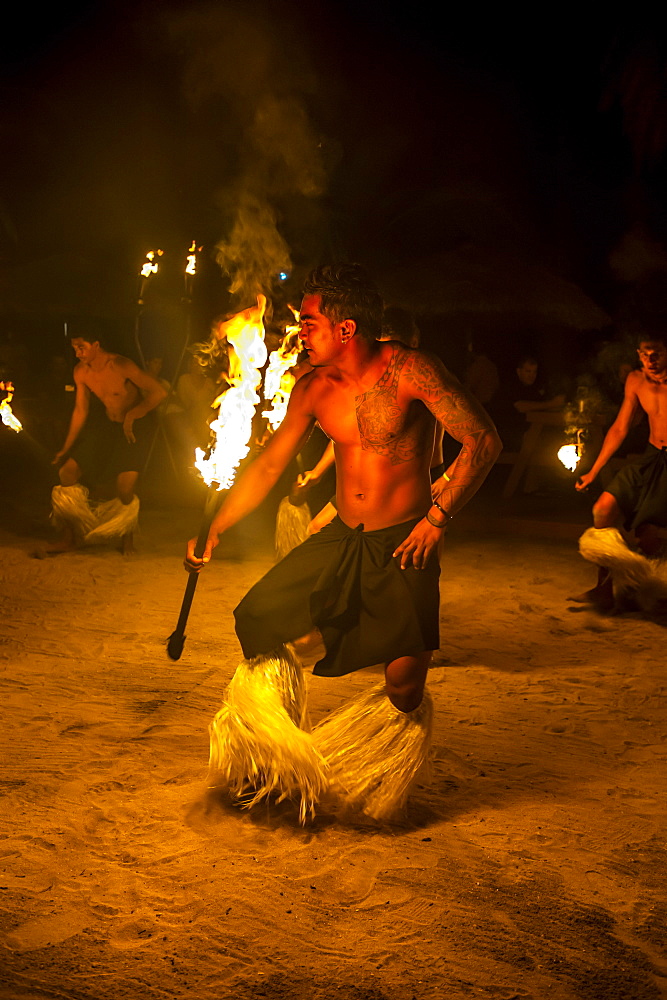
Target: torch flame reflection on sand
x: 8, y: 418
x: 279, y: 380
x: 232, y: 427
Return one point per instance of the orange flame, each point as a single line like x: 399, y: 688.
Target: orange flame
x: 569, y: 456
x: 279, y: 380
x: 151, y: 265
x: 233, y: 426
x: 191, y: 259
x: 8, y: 418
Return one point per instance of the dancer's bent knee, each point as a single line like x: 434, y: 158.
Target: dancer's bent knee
x: 405, y: 679
x: 606, y: 512
x: 69, y: 473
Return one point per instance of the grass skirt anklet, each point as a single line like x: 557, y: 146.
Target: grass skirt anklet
x: 631, y: 572
x: 260, y: 743
x: 92, y: 523
x: 291, y: 526
x: 375, y: 753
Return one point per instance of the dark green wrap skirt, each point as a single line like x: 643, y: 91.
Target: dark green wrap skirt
x: 640, y: 489
x: 345, y: 582
x: 102, y: 451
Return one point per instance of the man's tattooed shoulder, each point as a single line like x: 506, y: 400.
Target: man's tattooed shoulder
x: 382, y: 420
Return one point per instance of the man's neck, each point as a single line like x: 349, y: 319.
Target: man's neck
x: 359, y: 359
x: 657, y: 379
x: 97, y: 363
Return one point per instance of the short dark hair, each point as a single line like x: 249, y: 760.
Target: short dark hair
x: 651, y: 331
x: 347, y: 292
x: 85, y: 329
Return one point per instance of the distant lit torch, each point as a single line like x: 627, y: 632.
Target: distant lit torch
x: 191, y: 260
x: 8, y: 418
x: 190, y: 268
x: 150, y: 266
x: 231, y: 432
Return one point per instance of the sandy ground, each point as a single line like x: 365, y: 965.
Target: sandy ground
x: 534, y: 866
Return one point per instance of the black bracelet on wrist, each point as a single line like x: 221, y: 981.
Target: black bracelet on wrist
x: 436, y: 524
x: 442, y: 510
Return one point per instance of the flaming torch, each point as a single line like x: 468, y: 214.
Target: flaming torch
x: 190, y: 270
x: 569, y: 455
x: 578, y: 417
x: 150, y: 266
x: 279, y: 380
x: 231, y: 432
x: 293, y: 515
x: 189, y: 273
x: 8, y: 418
x: 191, y: 260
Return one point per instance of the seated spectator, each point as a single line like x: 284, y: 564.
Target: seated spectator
x: 524, y: 392
x: 482, y: 378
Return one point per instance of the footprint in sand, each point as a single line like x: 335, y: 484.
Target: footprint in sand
x: 350, y: 880
x: 77, y: 728
x: 45, y: 931
x: 133, y: 934
x: 106, y: 786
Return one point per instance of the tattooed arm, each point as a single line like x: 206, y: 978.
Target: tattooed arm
x: 424, y: 377
x: 463, y: 418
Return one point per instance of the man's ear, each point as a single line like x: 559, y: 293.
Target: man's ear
x: 348, y: 328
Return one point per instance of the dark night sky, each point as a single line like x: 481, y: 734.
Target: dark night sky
x: 379, y: 131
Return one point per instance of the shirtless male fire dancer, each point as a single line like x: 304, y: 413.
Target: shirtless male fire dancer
x: 637, y: 496
x: 111, y: 444
x: 369, y: 580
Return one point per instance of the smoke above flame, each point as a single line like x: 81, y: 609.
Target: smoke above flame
x: 247, y: 69
x: 281, y: 159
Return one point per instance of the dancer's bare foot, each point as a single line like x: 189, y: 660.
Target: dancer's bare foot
x: 66, y: 544
x: 45, y: 551
x: 601, y: 596
x: 127, y: 546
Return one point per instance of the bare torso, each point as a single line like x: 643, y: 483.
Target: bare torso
x: 652, y: 397
x: 379, y: 403
x: 383, y: 440
x: 110, y: 384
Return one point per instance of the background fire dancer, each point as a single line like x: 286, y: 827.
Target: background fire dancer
x: 369, y: 580
x: 637, y: 496
x: 107, y: 441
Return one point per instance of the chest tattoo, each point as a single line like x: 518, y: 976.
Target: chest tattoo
x: 384, y: 426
